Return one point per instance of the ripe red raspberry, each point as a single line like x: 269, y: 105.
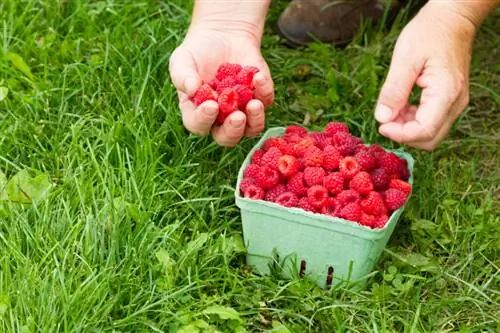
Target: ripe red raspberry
x: 296, y: 129
x: 334, y: 183
x: 245, y: 184
x: 373, y: 204
x: 287, y: 199
x: 251, y: 171
x: 361, y: 183
x: 314, y: 176
x: 332, y: 207
x: 348, y: 196
x: 228, y: 103
x: 321, y: 139
x: 273, y: 193
x: 313, y: 157
x: 380, y: 179
x: 336, y: 127
x: 228, y: 82
x: 257, y: 156
x: 349, y: 167
x: 214, y: 83
x: 317, y: 195
x: 279, y: 143
x: 367, y: 220
x: 292, y: 138
x: 300, y: 148
x: 305, y: 205
x: 203, y: 94
x: 245, y: 76
x: 246, y: 95
x: 390, y: 163
x: 376, y: 150
x: 401, y: 185
x: 345, y: 143
x: 267, y: 178
x: 271, y: 158
x: 380, y: 221
x: 394, y: 199
x: 404, y: 172
x: 351, y: 212
x: 366, y: 160
x: 288, y: 165
x: 331, y: 158
x: 296, y: 184
x: 227, y: 70
x: 253, y: 191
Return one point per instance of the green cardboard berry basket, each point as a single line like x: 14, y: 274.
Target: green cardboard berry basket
x: 326, y: 249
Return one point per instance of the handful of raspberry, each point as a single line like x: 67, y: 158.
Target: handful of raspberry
x: 231, y: 88
x: 331, y: 172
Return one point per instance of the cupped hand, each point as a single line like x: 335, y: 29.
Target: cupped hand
x: 196, y: 61
x: 433, y: 52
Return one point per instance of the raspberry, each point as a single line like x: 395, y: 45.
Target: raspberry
x: 288, y: 165
x: 390, y: 163
x: 275, y: 192
x: 296, y: 129
x: 203, y: 94
x: 401, y: 185
x: 345, y: 143
x: 305, y: 205
x: 381, y: 221
x: 257, y: 156
x: 287, y: 199
x: 271, y: 158
x: 348, y: 196
x: 349, y: 167
x: 271, y: 142
x: 228, y: 102
x: 351, y: 212
x: 246, y: 95
x: 362, y: 183
x: 367, y: 220
x: 267, y: 178
x: 253, y: 191
x: 296, y: 184
x: 332, y: 207
x: 245, y: 184
x: 373, y: 204
x: 366, y: 160
x: 300, y: 148
x: 321, y: 139
x: 228, y: 82
x: 279, y: 143
x: 251, y: 171
x: 314, y: 175
x: 380, y: 179
x: 245, y: 76
x: 313, y: 157
x: 227, y: 70
x: 376, y: 150
x: 317, y: 195
x: 335, y: 127
x: 331, y: 158
x: 404, y: 172
x: 214, y: 83
x: 394, y: 199
x: 334, y: 183
x: 292, y: 138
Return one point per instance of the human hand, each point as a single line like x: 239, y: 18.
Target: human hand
x: 433, y: 52
x: 196, y: 61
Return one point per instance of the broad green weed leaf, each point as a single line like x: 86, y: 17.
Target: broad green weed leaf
x: 26, y: 189
x: 19, y: 63
x: 224, y: 313
x: 4, y: 91
x: 3, y: 187
x: 191, y: 328
x: 4, y: 304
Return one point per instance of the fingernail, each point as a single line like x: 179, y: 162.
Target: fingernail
x: 237, y: 122
x: 383, y: 113
x: 210, y: 111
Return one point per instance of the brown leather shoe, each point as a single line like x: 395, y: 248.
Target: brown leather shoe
x: 329, y: 21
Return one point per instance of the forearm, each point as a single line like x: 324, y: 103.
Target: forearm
x: 240, y: 15
x: 476, y: 11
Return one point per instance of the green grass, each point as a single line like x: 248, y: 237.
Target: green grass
x: 139, y: 232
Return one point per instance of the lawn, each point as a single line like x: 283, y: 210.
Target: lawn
x: 114, y: 219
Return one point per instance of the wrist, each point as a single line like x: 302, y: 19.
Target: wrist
x: 241, y: 18
x: 473, y: 11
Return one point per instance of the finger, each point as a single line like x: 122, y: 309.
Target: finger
x: 198, y: 120
x: 264, y: 88
x: 396, y: 90
x: 183, y: 72
x: 255, y: 118
x: 231, y: 131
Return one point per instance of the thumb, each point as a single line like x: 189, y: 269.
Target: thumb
x: 396, y: 90
x: 183, y: 73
